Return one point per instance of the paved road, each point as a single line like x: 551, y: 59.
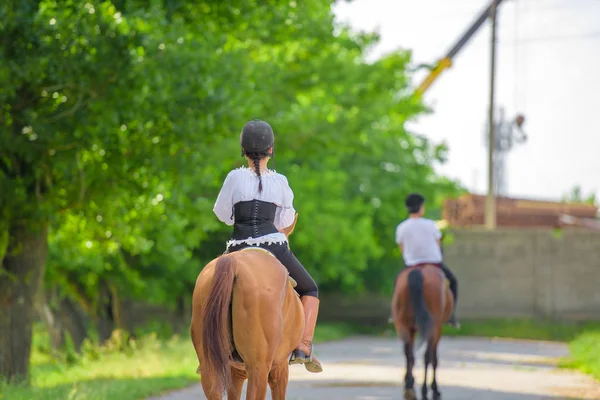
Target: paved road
x: 482, y: 369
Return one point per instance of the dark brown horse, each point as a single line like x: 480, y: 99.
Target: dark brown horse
x: 246, y: 321
x: 422, y: 302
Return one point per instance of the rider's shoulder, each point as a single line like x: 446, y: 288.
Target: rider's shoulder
x: 279, y: 176
x: 236, y: 172
x: 427, y: 221
x: 402, y: 224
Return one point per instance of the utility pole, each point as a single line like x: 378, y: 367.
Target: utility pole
x: 490, y: 206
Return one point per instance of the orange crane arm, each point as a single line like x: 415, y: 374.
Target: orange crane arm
x: 446, y: 62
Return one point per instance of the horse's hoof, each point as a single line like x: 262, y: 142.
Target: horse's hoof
x: 409, y: 394
x: 437, y: 396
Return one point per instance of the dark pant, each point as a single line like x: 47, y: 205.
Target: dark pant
x: 306, y: 284
x: 453, y: 282
x: 451, y: 278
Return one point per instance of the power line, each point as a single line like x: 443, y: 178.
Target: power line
x: 556, y: 38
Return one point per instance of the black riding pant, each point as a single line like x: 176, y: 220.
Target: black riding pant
x: 453, y: 282
x: 306, y: 284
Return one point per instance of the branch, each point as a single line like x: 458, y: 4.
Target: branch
x: 58, y: 87
x: 81, y: 297
x: 65, y: 147
x: 70, y: 111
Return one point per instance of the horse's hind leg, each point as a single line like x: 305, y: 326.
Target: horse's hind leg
x: 409, y: 379
x: 258, y: 377
x: 278, y: 380
x: 238, y: 376
x: 434, y: 363
x: 426, y: 361
x: 212, y: 389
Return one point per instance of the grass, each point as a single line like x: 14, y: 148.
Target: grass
x: 117, y: 373
x: 153, y: 367
x: 585, y: 353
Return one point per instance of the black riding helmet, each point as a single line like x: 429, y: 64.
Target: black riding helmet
x: 413, y: 202
x: 257, y: 137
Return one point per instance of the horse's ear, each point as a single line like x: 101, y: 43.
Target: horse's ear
x: 288, y: 231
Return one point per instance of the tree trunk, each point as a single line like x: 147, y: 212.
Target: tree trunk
x: 74, y: 321
x: 21, y: 274
x: 116, y: 306
x: 105, y: 324
x: 50, y: 320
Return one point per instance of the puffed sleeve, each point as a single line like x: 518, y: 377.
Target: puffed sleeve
x: 284, y: 216
x: 223, y: 207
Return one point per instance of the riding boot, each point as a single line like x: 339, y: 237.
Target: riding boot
x: 453, y: 321
x: 303, y: 354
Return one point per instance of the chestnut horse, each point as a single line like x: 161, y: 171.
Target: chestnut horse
x: 422, y: 303
x: 246, y: 321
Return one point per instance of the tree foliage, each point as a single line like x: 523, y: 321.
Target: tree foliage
x: 119, y: 121
x: 575, y: 195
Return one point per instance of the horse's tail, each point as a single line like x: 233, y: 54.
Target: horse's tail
x: 423, y: 318
x: 216, y: 336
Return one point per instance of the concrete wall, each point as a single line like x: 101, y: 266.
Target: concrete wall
x: 506, y: 273
x: 526, y: 272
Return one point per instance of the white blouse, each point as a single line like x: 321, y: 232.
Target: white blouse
x: 241, y: 184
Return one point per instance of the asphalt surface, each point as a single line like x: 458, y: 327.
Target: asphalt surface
x: 469, y: 368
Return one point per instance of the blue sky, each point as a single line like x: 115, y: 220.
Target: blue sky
x: 548, y: 68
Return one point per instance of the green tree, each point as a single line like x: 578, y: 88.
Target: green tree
x: 106, y: 113
x: 576, y: 196
x: 89, y: 128
x: 120, y: 120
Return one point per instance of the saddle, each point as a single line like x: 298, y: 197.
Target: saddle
x: 439, y: 265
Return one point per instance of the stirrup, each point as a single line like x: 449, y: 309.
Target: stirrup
x: 452, y: 321
x: 310, y: 362
x: 300, y: 357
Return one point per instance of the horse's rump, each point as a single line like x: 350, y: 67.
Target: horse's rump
x: 421, y: 292
x: 235, y: 302
x: 268, y: 295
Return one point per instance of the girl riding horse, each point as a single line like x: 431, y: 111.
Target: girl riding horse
x: 258, y: 202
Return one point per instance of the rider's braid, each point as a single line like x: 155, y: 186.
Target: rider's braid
x: 256, y: 159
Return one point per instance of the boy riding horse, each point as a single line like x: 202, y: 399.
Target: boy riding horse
x: 419, y: 240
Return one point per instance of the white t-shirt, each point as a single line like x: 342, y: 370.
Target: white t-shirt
x: 418, y: 237
x: 241, y: 184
